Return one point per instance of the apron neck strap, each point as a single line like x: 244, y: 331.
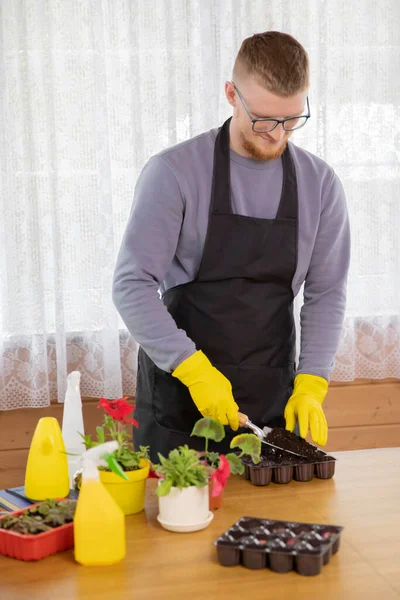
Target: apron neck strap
x: 221, y: 183
x: 288, y: 206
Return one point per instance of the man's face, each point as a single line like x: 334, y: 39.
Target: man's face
x: 261, y: 103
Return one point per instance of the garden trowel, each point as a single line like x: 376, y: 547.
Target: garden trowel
x: 244, y: 421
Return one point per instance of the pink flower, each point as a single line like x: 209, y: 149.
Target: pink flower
x: 220, y: 476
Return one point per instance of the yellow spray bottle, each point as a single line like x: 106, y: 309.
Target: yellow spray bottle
x: 46, y: 473
x: 99, y: 523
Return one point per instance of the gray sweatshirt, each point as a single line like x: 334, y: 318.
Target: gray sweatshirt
x: 164, y: 239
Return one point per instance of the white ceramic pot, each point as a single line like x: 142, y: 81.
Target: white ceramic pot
x: 186, y: 509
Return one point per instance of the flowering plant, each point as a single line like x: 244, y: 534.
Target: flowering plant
x: 185, y: 467
x: 219, y: 465
x: 114, y: 428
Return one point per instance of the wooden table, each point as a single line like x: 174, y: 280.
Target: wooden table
x: 364, y: 497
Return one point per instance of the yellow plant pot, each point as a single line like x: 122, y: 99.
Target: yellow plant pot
x: 129, y: 495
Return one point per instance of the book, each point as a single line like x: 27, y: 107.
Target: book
x: 12, y: 499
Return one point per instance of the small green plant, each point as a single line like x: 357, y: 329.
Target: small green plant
x: 183, y: 468
x: 249, y: 444
x: 43, y: 517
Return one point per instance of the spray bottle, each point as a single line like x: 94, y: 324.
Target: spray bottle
x: 72, y: 424
x: 99, y: 523
x: 46, y: 474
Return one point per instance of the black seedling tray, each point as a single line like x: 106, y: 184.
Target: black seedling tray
x: 281, y: 546
x: 280, y: 466
x: 267, y: 470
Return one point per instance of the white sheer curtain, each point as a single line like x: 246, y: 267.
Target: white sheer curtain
x: 90, y: 89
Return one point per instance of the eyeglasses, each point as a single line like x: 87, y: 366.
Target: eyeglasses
x: 265, y: 125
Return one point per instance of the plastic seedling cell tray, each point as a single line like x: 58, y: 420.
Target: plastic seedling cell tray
x: 281, y: 546
x: 279, y: 466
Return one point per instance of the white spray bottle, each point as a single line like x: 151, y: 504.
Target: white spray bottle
x: 99, y: 523
x: 72, y: 424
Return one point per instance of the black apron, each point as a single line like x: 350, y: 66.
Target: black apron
x: 238, y: 311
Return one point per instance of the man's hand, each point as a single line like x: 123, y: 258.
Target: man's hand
x: 210, y: 390
x: 305, y: 406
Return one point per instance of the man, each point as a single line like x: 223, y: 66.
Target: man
x: 228, y: 226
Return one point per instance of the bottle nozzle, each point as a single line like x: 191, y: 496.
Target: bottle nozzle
x: 102, y: 455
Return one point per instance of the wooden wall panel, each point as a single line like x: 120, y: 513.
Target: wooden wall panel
x: 347, y: 406
x: 363, y: 436
x: 12, y: 467
x: 17, y: 426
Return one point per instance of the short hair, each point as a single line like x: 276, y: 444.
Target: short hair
x: 276, y: 60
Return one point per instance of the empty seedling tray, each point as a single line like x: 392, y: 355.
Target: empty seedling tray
x: 281, y: 546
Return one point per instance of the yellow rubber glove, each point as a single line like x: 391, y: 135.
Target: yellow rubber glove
x: 210, y: 390
x: 305, y: 406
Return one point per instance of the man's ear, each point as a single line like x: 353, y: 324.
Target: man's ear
x: 230, y: 93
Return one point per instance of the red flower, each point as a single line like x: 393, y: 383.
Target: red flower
x: 118, y: 409
x: 154, y: 475
x: 220, y: 476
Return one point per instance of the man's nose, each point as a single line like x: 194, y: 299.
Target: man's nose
x: 277, y: 133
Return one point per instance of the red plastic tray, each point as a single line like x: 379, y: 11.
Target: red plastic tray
x: 35, y: 547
